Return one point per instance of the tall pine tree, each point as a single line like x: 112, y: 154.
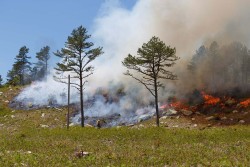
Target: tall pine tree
x: 21, y: 68
x: 77, y: 56
x: 151, y: 63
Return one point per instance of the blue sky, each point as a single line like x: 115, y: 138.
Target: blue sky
x: 43, y: 22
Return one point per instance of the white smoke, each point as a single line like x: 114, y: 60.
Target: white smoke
x: 42, y: 93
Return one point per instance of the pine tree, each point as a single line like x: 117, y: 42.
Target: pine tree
x: 1, y: 80
x: 151, y: 62
x: 43, y: 57
x: 76, y: 58
x: 20, y: 69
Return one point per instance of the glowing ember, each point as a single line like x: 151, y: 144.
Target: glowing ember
x: 210, y: 100
x: 245, y: 103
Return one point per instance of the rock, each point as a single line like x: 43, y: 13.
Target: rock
x: 12, y: 116
x: 88, y: 125
x: 170, y: 112
x: 235, y: 111
x: 209, y: 125
x: 141, y: 126
x: 59, y: 109
x: 230, y: 102
x: 30, y: 105
x: 71, y: 124
x: 238, y: 105
x: 210, y: 118
x: 130, y: 125
x: 186, y: 112
x: 245, y: 113
x: 143, y: 118
x: 195, y: 125
x: 224, y: 118
x: 241, y: 121
x: 44, y: 126
x: 81, y: 154
x: 29, y: 152
x: 164, y: 117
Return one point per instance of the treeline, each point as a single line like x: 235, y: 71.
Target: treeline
x: 221, y: 69
x: 24, y: 72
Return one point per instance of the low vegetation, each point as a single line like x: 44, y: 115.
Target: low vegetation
x: 40, y: 138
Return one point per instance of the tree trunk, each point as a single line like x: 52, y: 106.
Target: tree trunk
x: 68, y: 101
x: 156, y: 103
x: 81, y: 101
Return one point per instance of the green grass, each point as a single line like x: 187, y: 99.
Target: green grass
x: 23, y: 142
x: 126, y: 146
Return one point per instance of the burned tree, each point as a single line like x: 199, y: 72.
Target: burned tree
x: 151, y: 63
x: 76, y: 58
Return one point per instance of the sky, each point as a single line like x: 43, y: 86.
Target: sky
x: 36, y: 24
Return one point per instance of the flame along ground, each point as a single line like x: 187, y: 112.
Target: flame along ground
x: 209, y: 101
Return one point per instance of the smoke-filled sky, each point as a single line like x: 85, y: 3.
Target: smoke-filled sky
x: 182, y: 24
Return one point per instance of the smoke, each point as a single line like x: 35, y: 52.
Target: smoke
x: 182, y: 24
x: 46, y: 92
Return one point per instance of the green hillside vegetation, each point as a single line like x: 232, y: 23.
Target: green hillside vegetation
x: 40, y: 138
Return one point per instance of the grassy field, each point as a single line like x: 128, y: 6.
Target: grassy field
x: 40, y: 138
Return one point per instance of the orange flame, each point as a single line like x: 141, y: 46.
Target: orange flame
x: 245, y: 103
x: 179, y: 105
x: 210, y: 100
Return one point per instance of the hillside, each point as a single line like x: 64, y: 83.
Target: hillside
x: 39, y: 138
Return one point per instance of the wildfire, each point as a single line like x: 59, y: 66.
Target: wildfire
x: 245, y: 103
x: 178, y: 105
x: 210, y: 100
